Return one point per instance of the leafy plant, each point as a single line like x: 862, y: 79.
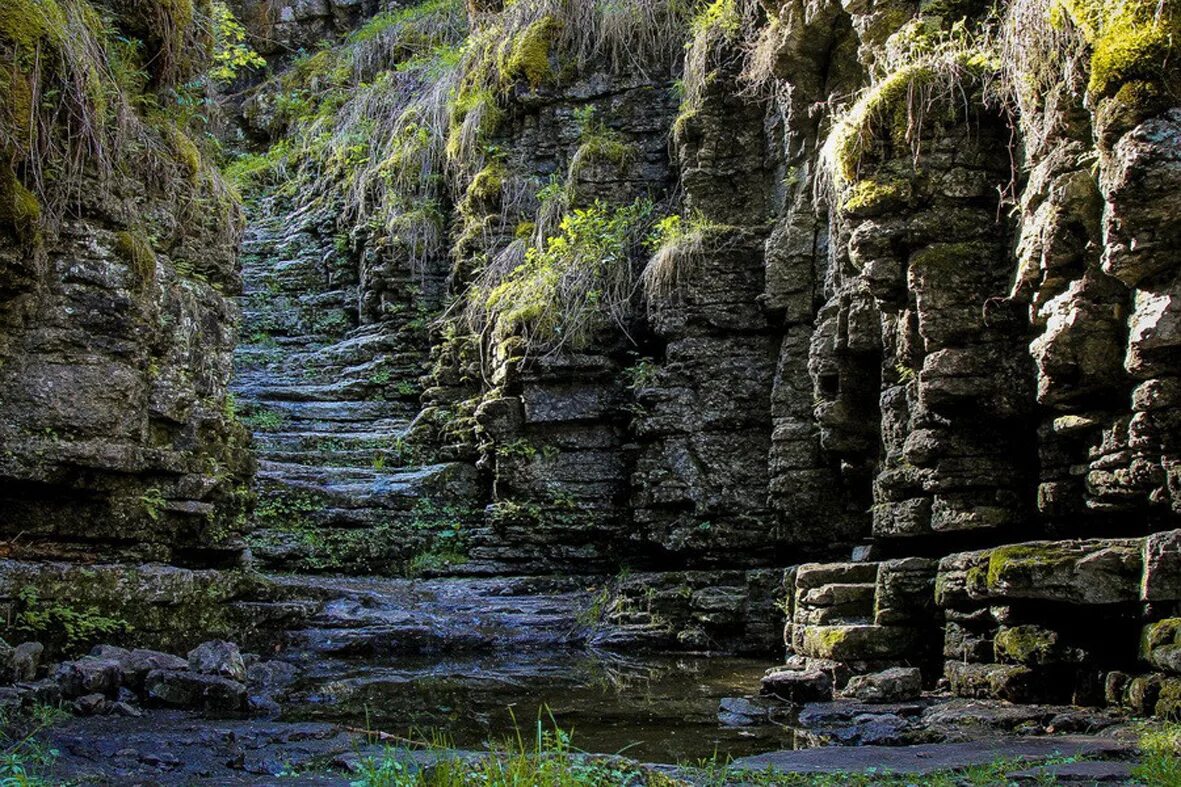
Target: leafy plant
x: 579, y: 281
x: 231, y: 52
x: 62, y: 626
x: 153, y: 502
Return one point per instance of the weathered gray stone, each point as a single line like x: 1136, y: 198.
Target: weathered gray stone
x: 89, y: 675
x: 26, y: 661
x: 182, y: 689
x: 218, y: 657
x: 798, y: 686
x: 896, y: 684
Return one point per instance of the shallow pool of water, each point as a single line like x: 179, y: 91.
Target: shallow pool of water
x: 659, y: 709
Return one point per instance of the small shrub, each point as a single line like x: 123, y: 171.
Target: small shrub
x: 61, y: 627
x: 581, y: 280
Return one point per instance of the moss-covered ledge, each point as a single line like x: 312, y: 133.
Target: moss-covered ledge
x: 150, y: 605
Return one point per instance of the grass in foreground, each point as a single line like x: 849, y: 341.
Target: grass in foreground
x: 22, y: 757
x: 550, y: 760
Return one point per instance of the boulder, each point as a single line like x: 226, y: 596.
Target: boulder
x: 88, y: 675
x: 896, y: 684
x: 1160, y: 645
x: 270, y: 675
x: 140, y: 662
x: 798, y: 686
x: 92, y: 705
x: 26, y: 660
x: 1162, y: 567
x: 740, y: 712
x: 183, y: 689
x: 218, y: 657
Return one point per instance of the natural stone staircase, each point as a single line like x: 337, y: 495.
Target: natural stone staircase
x: 330, y: 402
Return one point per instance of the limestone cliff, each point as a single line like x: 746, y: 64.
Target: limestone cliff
x: 118, y: 268
x: 741, y: 284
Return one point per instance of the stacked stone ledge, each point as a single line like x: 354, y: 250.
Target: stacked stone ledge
x: 1088, y: 622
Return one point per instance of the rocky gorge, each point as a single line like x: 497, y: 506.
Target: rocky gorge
x: 727, y: 377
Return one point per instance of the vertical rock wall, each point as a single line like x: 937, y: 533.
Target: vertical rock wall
x: 117, y: 271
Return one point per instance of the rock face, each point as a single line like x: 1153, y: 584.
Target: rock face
x: 929, y: 326
x: 117, y: 271
x: 897, y: 308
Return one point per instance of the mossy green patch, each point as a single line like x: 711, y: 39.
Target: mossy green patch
x: 19, y: 207
x: 1023, y: 559
x: 1131, y: 40
x: 1026, y: 644
x: 871, y: 196
x: 527, y: 55
x: 134, y: 249
x: 32, y: 25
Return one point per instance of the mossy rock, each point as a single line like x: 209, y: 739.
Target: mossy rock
x: 1029, y: 645
x: 134, y: 249
x: 873, y: 197
x: 858, y: 642
x: 1160, y: 645
x: 527, y: 55
x: 1073, y: 572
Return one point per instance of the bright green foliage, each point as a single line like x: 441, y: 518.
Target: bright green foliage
x: 527, y: 56
x: 544, y: 757
x: 1131, y: 40
x: 231, y: 52
x: 153, y: 503
x: 580, y: 280
x: 23, y: 757
x: 1160, y: 762
x: 678, y: 245
x: 928, y: 76
x: 719, y: 16
x: 61, y: 627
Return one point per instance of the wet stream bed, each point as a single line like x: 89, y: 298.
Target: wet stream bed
x: 656, y: 708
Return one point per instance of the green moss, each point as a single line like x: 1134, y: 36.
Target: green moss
x: 486, y: 185
x: 19, y: 207
x: 872, y: 196
x: 828, y: 641
x: 186, y: 152
x: 1026, y: 644
x: 1159, y: 634
x: 134, y: 249
x: 889, y: 106
x: 945, y: 256
x: 30, y: 25
x: 1131, y: 40
x: 527, y: 55
x: 1023, y: 558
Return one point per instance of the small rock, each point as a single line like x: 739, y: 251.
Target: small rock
x: 10, y: 699
x: 270, y: 675
x: 740, y: 712
x: 218, y: 657
x: 91, y: 705
x: 42, y: 692
x: 26, y: 659
x: 140, y: 662
x: 264, y: 706
x: 125, y: 709
x: 798, y: 686
x: 112, y: 652
x: 896, y: 684
x: 183, y: 689
x: 88, y: 675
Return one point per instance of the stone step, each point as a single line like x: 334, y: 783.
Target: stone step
x: 359, y: 487
x: 328, y: 442
x: 394, y: 616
